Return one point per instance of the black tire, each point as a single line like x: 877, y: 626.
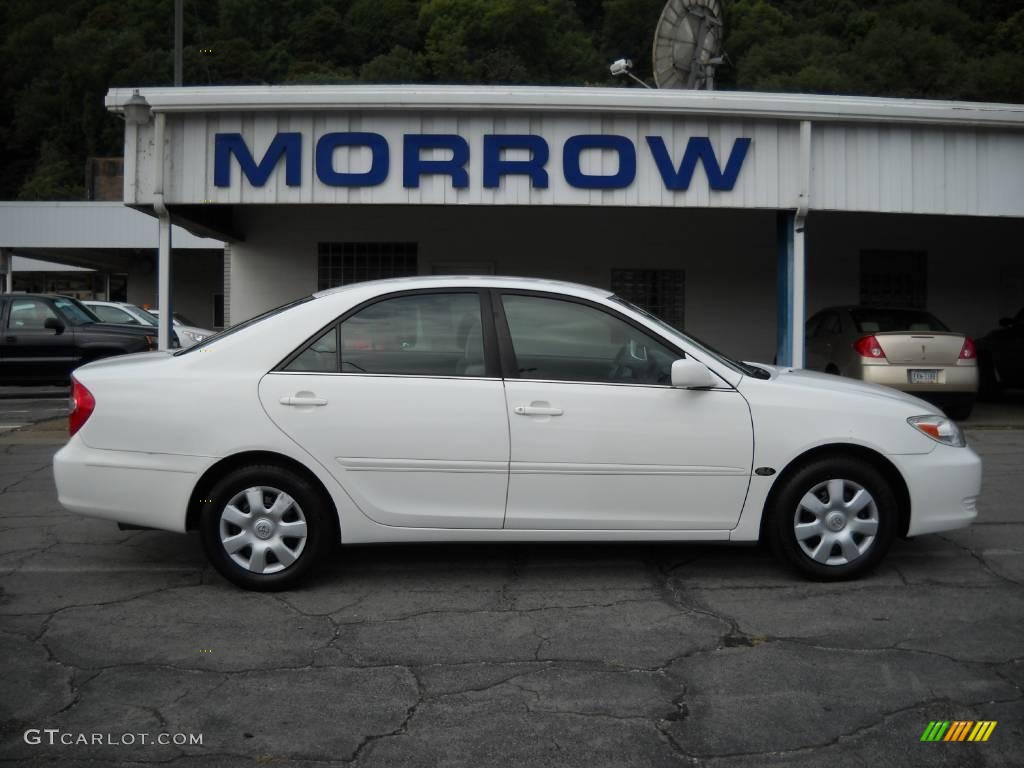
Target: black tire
x: 989, y: 386
x: 789, y: 502
x: 309, y: 507
x: 832, y: 369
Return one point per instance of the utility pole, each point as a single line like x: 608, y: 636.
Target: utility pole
x: 178, y: 16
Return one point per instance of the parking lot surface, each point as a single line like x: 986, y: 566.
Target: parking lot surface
x: 471, y: 655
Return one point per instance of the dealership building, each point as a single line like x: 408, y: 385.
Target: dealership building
x: 731, y: 215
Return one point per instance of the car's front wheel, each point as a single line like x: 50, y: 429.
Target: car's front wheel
x: 264, y: 527
x: 833, y: 519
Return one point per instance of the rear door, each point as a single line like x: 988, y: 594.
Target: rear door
x: 402, y: 401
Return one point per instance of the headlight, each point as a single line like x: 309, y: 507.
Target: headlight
x: 195, y: 337
x: 940, y: 429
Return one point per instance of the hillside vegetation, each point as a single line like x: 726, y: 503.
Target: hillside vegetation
x: 59, y: 56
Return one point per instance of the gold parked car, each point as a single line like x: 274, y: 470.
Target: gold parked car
x: 907, y: 349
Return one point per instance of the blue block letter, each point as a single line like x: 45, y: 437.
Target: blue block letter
x: 574, y: 145
x: 379, y: 163
x: 227, y: 144
x: 698, y: 148
x: 414, y: 167
x: 495, y: 166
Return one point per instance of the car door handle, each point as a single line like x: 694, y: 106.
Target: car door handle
x: 301, y: 399
x: 537, y: 410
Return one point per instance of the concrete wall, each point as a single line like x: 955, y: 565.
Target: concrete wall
x: 728, y: 256
x: 196, y: 277
x: 975, y: 266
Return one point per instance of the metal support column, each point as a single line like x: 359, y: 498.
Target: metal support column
x: 7, y: 267
x: 792, y: 280
x: 163, y: 288
x: 791, y: 289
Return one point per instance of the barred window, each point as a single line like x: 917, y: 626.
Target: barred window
x: 897, y: 279
x: 662, y: 292
x: 345, y: 263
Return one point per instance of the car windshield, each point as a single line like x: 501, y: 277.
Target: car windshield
x: 147, y: 318
x: 74, y: 312
x: 245, y: 324
x: 736, y: 365
x: 887, y: 320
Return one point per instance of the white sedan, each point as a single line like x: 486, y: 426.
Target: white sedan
x: 499, y: 409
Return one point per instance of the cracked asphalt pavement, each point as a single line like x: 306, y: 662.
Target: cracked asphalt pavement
x: 471, y: 655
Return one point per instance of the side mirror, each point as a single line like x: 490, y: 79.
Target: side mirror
x: 687, y: 373
x: 54, y: 325
x: 1006, y: 322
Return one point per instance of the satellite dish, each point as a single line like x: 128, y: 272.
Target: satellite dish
x: 688, y: 44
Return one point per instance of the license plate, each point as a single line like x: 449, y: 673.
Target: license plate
x: 924, y: 377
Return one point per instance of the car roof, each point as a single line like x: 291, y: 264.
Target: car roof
x: 35, y: 296
x: 475, y: 281
x: 849, y: 307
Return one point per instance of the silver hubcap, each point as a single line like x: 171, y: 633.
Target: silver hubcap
x: 836, y: 522
x: 263, y: 529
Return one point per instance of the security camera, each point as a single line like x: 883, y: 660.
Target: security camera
x: 621, y: 67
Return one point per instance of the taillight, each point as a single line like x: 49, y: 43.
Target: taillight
x: 82, y: 406
x: 968, y: 352
x: 868, y: 346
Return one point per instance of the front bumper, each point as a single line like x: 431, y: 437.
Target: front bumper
x: 944, y: 486
x: 151, y: 490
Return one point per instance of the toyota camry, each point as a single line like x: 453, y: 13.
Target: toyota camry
x: 499, y: 409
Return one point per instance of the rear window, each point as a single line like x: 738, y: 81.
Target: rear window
x: 248, y: 323
x: 885, y: 320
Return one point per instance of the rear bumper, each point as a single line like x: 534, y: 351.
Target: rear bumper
x: 944, y: 487
x: 144, y: 489
x: 962, y: 379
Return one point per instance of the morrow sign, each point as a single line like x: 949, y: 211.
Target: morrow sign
x: 676, y: 173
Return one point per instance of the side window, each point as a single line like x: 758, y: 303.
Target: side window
x: 560, y: 340
x: 29, y: 314
x: 113, y: 315
x: 428, y: 334
x: 812, y: 327
x: 319, y: 357
x: 835, y: 324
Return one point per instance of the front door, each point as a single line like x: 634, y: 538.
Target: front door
x: 601, y: 441
x: 33, y: 351
x: 397, y: 402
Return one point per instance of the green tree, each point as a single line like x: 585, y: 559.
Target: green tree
x: 507, y: 41
x: 55, y: 176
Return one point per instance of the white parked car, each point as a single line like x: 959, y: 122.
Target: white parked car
x: 188, y: 331
x: 129, y: 314
x: 499, y: 409
x: 121, y: 312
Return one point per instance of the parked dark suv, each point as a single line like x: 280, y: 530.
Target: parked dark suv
x: 44, y: 338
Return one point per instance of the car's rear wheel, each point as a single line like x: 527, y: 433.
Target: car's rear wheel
x: 833, y: 519
x: 264, y: 527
